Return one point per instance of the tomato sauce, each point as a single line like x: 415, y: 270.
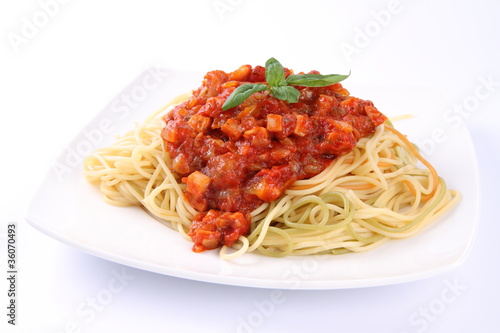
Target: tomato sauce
x: 233, y: 161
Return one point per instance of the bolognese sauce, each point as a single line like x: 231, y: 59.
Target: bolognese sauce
x: 235, y: 160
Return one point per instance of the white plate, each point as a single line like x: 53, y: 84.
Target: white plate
x: 69, y: 209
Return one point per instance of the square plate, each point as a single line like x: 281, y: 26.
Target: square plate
x: 69, y: 209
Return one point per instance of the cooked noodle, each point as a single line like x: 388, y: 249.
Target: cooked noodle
x: 382, y: 189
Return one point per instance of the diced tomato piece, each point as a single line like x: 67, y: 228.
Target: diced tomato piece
x: 339, y: 89
x: 212, y: 107
x: 213, y: 80
x: 302, y: 125
x: 247, y: 123
x: 269, y: 184
x: 325, y: 104
x: 232, y: 129
x: 274, y: 123
x: 180, y: 164
x: 342, y: 126
x: 337, y: 143
x: 258, y: 136
x: 176, y: 134
x: 199, y: 123
x: 249, y: 111
x: 241, y: 74
x: 196, y: 187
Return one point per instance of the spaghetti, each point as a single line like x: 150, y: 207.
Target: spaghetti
x: 382, y: 189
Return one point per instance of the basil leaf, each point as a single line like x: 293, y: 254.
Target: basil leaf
x: 275, y: 74
x: 241, y: 93
x: 280, y: 87
x: 315, y: 80
x: 286, y: 93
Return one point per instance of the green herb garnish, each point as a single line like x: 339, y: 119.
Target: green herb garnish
x: 280, y: 87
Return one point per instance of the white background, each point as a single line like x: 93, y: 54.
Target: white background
x: 62, y: 62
